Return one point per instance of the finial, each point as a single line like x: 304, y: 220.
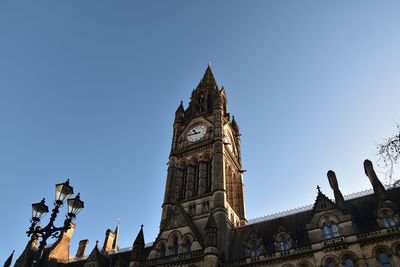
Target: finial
x: 43, y: 201
x: 319, y: 189
x: 209, y: 64
x: 141, y: 226
x: 97, y: 243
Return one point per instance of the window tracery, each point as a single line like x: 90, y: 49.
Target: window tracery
x: 254, y: 250
x: 349, y: 262
x: 255, y: 247
x: 187, y: 246
x: 348, y: 259
x: 193, y: 178
x: 383, y: 256
x: 384, y: 259
x: 330, y: 262
x: 330, y: 230
x: 175, y: 246
x: 388, y: 219
x: 282, y: 241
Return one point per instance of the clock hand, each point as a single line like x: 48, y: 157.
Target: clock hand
x: 193, y: 132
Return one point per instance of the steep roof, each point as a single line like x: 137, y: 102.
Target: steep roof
x: 208, y: 80
x: 139, y: 241
x: 362, y: 210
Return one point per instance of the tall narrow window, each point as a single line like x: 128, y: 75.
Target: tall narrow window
x: 330, y: 230
x: 384, y: 260
x: 208, y: 184
x: 188, y: 246
x: 179, y: 184
x: 327, y: 232
x: 176, y: 246
x: 162, y: 250
x: 334, y: 230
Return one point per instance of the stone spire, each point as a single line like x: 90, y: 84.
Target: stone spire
x: 137, y: 248
x: 336, y: 191
x: 235, y: 126
x: 208, y: 80
x: 8, y: 262
x: 179, y: 113
x: 115, y: 246
x: 139, y: 241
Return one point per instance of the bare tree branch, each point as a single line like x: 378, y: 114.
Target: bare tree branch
x: 389, y: 153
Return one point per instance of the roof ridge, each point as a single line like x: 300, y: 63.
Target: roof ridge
x: 288, y: 212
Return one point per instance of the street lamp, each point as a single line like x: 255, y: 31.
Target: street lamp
x: 75, y: 205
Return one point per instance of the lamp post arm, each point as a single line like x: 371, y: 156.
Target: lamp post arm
x: 46, y: 232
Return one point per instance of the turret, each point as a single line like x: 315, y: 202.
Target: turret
x: 115, y: 246
x: 336, y: 191
x: 211, y: 251
x: 235, y: 126
x: 204, y: 97
x: 379, y: 190
x: 137, y: 248
x: 179, y: 113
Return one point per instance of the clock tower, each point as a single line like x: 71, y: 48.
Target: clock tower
x: 205, y: 176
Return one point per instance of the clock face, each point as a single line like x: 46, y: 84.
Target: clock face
x: 196, y: 133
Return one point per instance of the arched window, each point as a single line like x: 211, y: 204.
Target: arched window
x: 326, y: 232
x: 284, y: 245
x: 348, y: 262
x: 188, y: 246
x: 334, y: 230
x: 331, y: 263
x: 388, y: 220
x: 397, y: 250
x: 330, y: 230
x: 255, y: 250
x: 162, y: 251
x: 282, y: 241
x: 176, y: 246
x: 384, y: 260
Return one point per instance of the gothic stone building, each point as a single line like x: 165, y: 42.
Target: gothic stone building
x: 203, y: 221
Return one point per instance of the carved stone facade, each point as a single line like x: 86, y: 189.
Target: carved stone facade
x: 203, y: 220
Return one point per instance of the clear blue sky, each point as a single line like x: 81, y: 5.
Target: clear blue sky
x: 88, y: 90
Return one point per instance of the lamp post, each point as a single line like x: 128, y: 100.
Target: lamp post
x: 63, y: 191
